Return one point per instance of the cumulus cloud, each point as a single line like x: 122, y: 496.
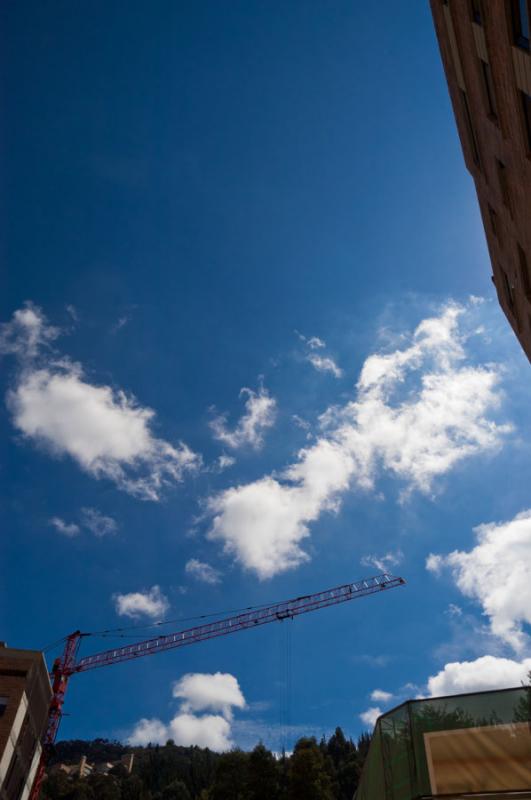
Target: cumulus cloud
x: 69, y: 529
x: 210, y: 731
x: 379, y: 696
x: 370, y: 716
x: 260, y: 414
x: 487, y: 672
x: 148, y: 731
x: 97, y: 523
x: 324, y: 364
x: 497, y: 574
x: 218, y: 692
x: 198, y: 692
x: 202, y: 571
x: 417, y: 413
x: 148, y: 603
x: 104, y: 430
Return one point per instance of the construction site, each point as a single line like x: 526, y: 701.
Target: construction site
x: 411, y: 409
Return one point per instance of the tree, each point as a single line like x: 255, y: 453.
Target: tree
x: 348, y: 777
x: 231, y: 777
x: 309, y: 778
x: 133, y: 789
x: 103, y: 787
x: 176, y: 791
x: 522, y: 712
x: 263, y: 781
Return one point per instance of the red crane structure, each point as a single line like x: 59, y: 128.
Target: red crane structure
x: 68, y: 663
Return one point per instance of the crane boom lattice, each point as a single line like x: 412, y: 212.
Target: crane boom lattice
x: 68, y: 664
x: 249, y: 619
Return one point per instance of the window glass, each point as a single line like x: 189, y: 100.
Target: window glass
x: 489, y: 89
x: 520, y: 14
x: 504, y: 184
x: 470, y: 128
x: 3, y: 705
x: 509, y: 292
x: 493, y: 217
x: 524, y: 18
x: 525, y: 278
x: 475, y: 10
x: 526, y: 108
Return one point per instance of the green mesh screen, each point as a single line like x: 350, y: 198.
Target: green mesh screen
x: 417, y: 750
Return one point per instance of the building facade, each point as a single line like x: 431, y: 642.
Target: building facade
x: 25, y: 694
x: 485, y: 49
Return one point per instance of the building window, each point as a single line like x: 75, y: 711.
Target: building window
x: 520, y: 14
x: 3, y: 705
x: 488, y: 86
x: 494, y: 226
x: 470, y: 128
x: 476, y: 11
x: 509, y: 292
x: 525, y: 277
x: 526, y: 107
x: 504, y: 184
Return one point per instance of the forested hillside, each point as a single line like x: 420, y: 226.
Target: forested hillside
x: 325, y: 770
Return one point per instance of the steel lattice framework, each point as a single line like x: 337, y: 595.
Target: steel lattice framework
x: 68, y: 663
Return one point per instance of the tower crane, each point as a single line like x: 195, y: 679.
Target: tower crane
x: 68, y: 664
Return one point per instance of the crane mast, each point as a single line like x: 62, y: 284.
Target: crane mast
x: 68, y: 664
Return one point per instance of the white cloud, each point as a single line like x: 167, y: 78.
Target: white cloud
x: 120, y: 323
x: 497, y: 574
x: 26, y: 333
x: 148, y: 731
x: 69, y: 529
x: 210, y: 731
x: 150, y: 603
x: 202, y: 571
x: 97, y: 523
x: 198, y: 692
x: 209, y: 692
x: 370, y: 716
x: 313, y: 342
x: 383, y: 563
x: 319, y: 362
x: 105, y: 431
x: 454, y: 610
x: 418, y: 412
x: 224, y: 461
x: 487, y: 672
x: 72, y: 311
x: 434, y: 563
x: 260, y: 414
x: 324, y: 364
x: 379, y: 696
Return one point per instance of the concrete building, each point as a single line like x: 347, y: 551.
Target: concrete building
x: 25, y: 694
x: 83, y: 769
x: 485, y: 49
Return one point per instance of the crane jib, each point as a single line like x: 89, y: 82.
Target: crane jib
x: 277, y: 612
x: 67, y: 665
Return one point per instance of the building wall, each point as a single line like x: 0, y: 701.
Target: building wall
x: 25, y: 694
x: 487, y: 72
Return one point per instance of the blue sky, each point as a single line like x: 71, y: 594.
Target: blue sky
x: 208, y: 198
